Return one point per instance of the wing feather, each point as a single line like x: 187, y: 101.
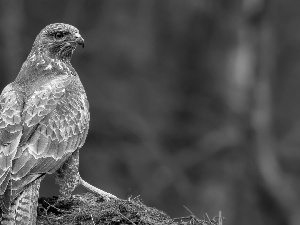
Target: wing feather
x: 19, y: 163
x: 10, y: 131
x: 3, y: 176
x: 55, y: 124
x: 38, y: 136
x: 30, y: 161
x: 5, y: 198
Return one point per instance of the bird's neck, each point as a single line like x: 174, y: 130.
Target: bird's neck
x: 40, y: 64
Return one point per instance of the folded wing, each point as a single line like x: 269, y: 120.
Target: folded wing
x: 52, y: 125
x: 11, y: 105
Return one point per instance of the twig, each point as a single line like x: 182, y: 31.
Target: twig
x: 189, y: 210
x: 208, y: 217
x: 182, y: 218
x: 220, y: 218
x: 49, y: 205
x: 92, y: 219
x: 126, y: 218
x: 46, y: 216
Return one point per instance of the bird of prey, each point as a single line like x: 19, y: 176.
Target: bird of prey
x: 44, y: 120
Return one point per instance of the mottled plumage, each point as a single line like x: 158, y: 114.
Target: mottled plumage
x: 44, y: 120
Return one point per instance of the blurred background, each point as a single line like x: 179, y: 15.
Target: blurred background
x: 193, y: 103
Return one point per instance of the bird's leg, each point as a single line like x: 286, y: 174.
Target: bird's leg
x: 68, y: 179
x: 9, y: 218
x: 23, y: 210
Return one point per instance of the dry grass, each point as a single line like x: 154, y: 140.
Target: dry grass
x: 90, y: 209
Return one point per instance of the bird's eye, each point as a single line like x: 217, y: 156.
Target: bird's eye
x: 58, y: 35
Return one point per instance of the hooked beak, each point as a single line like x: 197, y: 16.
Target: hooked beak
x: 79, y: 39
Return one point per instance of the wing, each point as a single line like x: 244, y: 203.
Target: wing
x: 55, y: 124
x: 11, y: 105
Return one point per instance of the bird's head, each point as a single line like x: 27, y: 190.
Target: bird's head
x: 58, y: 41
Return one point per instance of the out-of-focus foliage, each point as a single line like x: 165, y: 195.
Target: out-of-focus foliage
x: 193, y: 102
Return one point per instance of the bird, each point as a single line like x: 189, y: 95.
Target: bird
x: 44, y: 121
